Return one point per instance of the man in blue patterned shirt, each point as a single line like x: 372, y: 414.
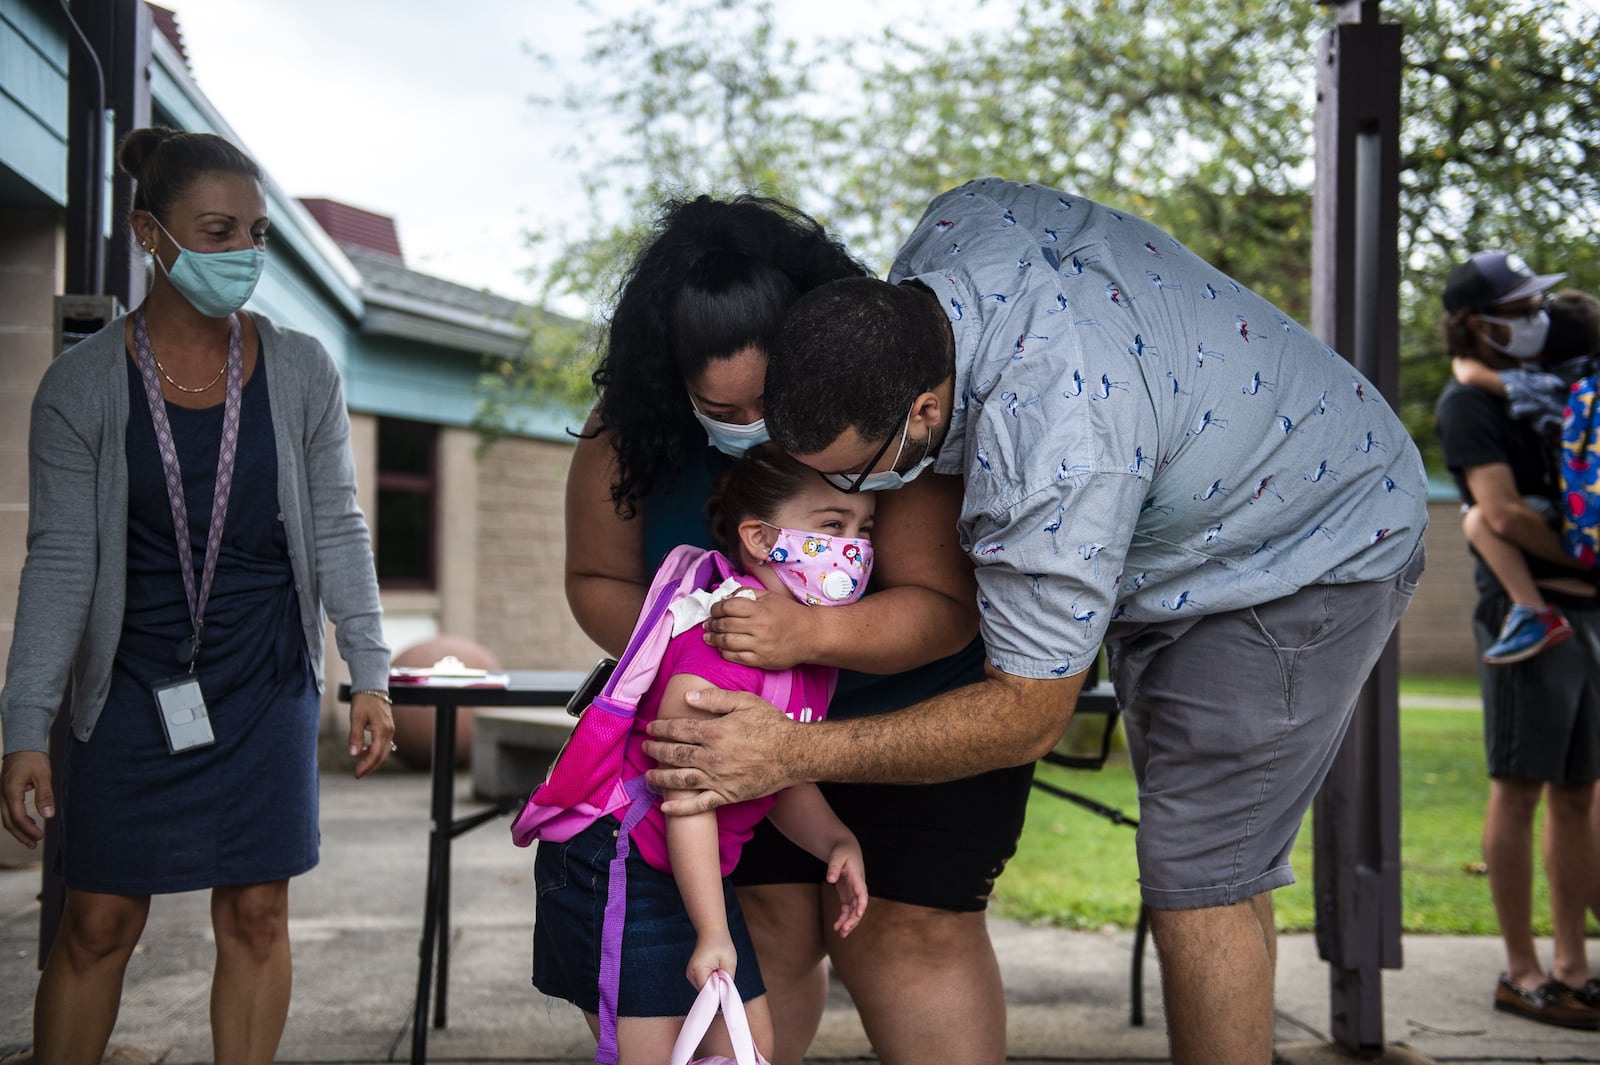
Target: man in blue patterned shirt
x: 1154, y: 458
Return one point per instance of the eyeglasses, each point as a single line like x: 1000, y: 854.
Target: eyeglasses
x: 850, y: 483
x: 1530, y: 311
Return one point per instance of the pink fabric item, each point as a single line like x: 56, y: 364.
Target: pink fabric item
x: 586, y: 781
x: 688, y: 653
x: 718, y: 994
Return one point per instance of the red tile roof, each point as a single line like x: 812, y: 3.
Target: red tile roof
x: 354, y: 226
x: 166, y: 22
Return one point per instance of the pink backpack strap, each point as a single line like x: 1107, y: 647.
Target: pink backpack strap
x: 685, y: 569
x: 640, y: 799
x: 777, y: 688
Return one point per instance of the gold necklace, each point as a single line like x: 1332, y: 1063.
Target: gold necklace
x: 181, y: 388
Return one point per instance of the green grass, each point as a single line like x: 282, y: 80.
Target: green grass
x: 1075, y: 869
x: 1459, y: 686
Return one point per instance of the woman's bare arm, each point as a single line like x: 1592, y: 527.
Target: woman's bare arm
x: 606, y: 579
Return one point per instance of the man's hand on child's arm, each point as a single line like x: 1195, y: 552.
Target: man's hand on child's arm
x: 847, y: 871
x: 711, y: 952
x: 1476, y: 374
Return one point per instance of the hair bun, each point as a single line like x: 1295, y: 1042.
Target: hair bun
x: 140, y: 144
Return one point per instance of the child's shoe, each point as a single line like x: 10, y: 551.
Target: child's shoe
x: 1527, y: 631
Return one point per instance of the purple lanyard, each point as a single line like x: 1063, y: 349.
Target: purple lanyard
x: 189, y: 649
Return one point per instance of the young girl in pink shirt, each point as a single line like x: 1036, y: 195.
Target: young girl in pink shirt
x: 787, y: 532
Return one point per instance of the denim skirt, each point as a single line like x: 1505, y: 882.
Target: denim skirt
x: 572, y: 880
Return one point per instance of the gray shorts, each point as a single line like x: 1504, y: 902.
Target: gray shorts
x: 1541, y: 716
x: 1232, y: 723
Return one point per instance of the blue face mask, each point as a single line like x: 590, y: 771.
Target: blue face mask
x: 889, y: 479
x: 215, y: 283
x: 730, y: 439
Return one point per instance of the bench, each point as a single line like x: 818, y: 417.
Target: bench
x: 512, y: 748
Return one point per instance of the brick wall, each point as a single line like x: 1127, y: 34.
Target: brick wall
x: 30, y: 257
x: 1436, y: 633
x: 522, y: 613
x: 522, y: 607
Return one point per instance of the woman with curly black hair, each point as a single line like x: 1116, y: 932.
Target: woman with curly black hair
x: 709, y: 288
x: 680, y: 386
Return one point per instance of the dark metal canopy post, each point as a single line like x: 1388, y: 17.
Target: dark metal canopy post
x: 108, y: 94
x: 1355, y: 283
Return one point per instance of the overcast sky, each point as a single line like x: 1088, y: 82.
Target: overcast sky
x: 413, y: 109
x: 420, y: 109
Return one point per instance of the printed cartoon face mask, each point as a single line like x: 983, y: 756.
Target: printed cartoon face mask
x: 818, y: 569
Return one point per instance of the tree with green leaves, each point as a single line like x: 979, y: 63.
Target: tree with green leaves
x: 1197, y: 115
x: 705, y: 95
x: 1499, y: 147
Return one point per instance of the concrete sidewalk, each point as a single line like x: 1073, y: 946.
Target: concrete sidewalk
x: 355, y: 923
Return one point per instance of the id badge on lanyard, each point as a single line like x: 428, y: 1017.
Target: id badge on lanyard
x: 182, y: 707
x: 180, y: 704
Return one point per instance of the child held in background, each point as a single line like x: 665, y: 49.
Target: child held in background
x: 789, y: 533
x: 1538, y: 395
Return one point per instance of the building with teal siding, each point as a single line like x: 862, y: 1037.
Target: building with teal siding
x: 468, y: 545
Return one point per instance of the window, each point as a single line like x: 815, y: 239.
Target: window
x: 406, y: 491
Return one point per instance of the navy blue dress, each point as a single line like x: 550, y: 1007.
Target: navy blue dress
x: 138, y: 820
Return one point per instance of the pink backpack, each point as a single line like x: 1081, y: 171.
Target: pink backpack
x: 586, y: 781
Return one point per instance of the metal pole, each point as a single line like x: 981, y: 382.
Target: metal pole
x: 1355, y: 284
x: 108, y: 70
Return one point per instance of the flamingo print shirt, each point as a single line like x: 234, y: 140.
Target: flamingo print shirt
x: 1143, y: 440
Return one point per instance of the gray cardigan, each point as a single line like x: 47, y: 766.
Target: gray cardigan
x: 74, y: 582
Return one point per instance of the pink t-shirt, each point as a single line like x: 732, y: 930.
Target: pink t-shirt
x: 688, y: 653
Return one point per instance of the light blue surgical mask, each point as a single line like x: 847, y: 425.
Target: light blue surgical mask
x: 890, y: 479
x: 728, y: 438
x: 215, y: 283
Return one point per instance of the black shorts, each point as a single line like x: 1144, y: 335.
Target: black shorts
x: 1541, y: 716
x: 935, y: 845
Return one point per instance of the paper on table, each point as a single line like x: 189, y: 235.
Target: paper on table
x: 448, y: 672
x: 414, y: 678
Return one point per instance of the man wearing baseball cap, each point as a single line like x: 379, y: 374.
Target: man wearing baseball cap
x: 1489, y: 279
x: 1541, y: 714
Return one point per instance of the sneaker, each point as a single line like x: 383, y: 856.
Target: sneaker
x: 1527, y: 631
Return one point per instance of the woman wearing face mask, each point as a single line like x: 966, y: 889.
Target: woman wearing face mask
x: 192, y: 515
x: 680, y: 384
